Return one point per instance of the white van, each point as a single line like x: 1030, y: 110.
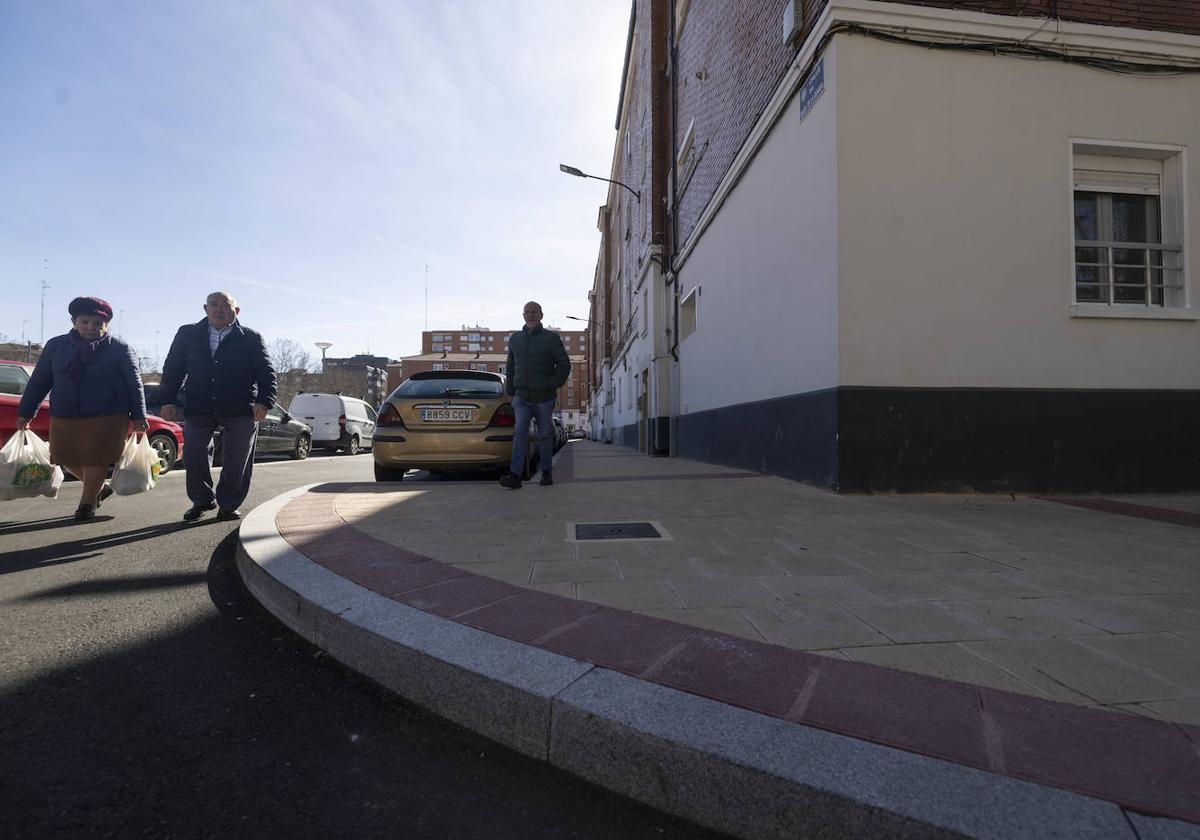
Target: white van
x: 337, y: 422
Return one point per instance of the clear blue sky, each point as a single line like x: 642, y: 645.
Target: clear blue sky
x: 309, y: 157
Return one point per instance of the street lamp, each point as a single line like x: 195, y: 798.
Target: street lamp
x: 323, y: 346
x: 571, y: 170
x: 587, y: 321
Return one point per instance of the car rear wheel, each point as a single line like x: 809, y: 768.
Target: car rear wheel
x: 352, y: 448
x: 302, y: 447
x: 166, y: 449
x: 389, y: 473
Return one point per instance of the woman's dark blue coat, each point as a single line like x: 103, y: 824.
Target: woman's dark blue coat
x: 109, y: 385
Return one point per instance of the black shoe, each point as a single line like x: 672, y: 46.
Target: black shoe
x: 196, y: 511
x: 510, y: 480
x: 105, y: 492
x: 84, y: 513
x: 228, y: 515
x: 547, y: 479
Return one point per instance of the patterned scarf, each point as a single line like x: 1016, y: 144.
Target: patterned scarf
x: 83, y: 352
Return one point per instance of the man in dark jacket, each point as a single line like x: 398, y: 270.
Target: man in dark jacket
x: 537, y: 367
x: 231, y: 385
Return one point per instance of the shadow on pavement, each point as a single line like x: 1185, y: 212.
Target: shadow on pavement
x: 7, y: 528
x: 111, y: 585
x: 222, y: 723
x: 70, y: 551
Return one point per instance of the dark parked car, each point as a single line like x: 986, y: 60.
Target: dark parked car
x: 279, y: 433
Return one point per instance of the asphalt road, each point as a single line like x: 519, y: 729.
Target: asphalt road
x: 144, y: 693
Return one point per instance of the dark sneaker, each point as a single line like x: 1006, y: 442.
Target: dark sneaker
x: 227, y: 515
x: 84, y: 513
x: 105, y: 492
x: 510, y: 480
x: 196, y: 511
x: 547, y: 479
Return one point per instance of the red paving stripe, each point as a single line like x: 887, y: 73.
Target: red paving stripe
x: 913, y: 712
x: 1122, y: 758
x: 1146, y: 765
x: 753, y: 675
x: 1158, y: 514
x: 459, y: 595
x: 526, y: 616
x: 622, y: 641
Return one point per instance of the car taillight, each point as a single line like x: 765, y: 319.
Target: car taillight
x: 390, y: 417
x: 504, y: 416
x: 342, y: 420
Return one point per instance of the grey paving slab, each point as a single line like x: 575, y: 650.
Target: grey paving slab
x: 659, y: 568
x: 1056, y: 664
x: 1165, y: 655
x: 1125, y: 613
x: 730, y: 620
x: 801, y: 589
x: 759, y: 777
x: 518, y: 572
x: 817, y: 563
x: 738, y: 566
x: 574, y: 571
x: 630, y: 594
x: 948, y: 660
x: 1179, y: 711
x: 919, y: 621
x: 1019, y: 618
x: 813, y: 626
x: 984, y: 584
x: 900, y: 586
x: 726, y: 592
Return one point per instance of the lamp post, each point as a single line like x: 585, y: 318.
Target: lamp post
x: 323, y: 346
x: 571, y: 170
x: 587, y: 321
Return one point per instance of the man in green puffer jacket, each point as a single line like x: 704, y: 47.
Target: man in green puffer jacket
x: 537, y: 367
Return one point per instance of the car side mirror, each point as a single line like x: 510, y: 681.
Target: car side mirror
x: 285, y: 417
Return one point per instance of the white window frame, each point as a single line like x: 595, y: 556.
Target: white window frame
x: 1173, y: 222
x: 689, y: 313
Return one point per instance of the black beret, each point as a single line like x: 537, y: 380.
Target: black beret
x: 90, y: 306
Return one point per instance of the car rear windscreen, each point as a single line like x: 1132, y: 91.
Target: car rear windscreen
x: 450, y: 387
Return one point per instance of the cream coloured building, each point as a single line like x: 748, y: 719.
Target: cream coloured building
x: 954, y: 250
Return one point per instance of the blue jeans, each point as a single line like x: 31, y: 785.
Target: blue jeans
x: 525, y: 411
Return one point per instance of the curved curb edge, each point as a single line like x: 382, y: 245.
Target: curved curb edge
x: 732, y: 770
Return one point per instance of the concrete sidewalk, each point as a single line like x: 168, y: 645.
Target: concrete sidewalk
x: 780, y: 601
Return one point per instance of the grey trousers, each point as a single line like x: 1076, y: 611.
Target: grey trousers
x: 238, y: 435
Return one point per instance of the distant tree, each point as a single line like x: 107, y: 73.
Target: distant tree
x: 288, y: 355
x: 291, y: 362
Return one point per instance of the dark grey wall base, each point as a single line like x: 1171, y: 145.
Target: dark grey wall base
x: 794, y: 437
x: 626, y: 435
x: 658, y: 432
x: 986, y: 439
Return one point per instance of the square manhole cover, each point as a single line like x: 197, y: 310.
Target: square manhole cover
x: 617, y: 531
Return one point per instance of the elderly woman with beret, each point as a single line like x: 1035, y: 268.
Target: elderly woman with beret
x: 94, y: 390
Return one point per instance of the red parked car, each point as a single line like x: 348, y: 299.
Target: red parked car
x: 166, y: 437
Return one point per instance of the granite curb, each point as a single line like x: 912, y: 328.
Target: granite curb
x: 734, y: 770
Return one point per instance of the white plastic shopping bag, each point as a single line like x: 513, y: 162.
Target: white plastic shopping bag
x: 137, y: 468
x: 25, y: 468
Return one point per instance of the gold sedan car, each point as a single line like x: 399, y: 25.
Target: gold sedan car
x: 443, y: 420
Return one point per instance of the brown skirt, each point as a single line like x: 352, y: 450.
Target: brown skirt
x: 88, y: 441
